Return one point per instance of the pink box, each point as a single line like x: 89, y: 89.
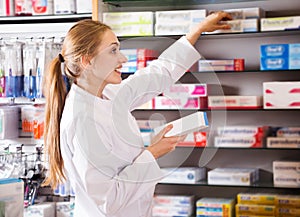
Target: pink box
x: 188, y: 90
x: 281, y: 95
x: 162, y: 102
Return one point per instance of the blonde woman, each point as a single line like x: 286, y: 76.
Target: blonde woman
x: 90, y: 135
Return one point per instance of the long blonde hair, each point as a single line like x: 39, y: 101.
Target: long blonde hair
x: 83, y: 39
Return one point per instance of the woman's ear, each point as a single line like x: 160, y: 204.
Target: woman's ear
x: 85, y: 61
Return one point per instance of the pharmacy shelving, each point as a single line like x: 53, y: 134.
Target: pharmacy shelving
x: 248, y: 82
x: 44, y: 18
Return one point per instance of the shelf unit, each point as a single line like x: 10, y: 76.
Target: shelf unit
x: 39, y: 25
x: 248, y: 82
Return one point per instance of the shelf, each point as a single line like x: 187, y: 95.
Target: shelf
x: 212, y: 110
x: 221, y: 35
x: 256, y: 185
x: 21, y: 100
x: 132, y: 3
x: 44, y: 18
x: 126, y: 75
x: 237, y: 148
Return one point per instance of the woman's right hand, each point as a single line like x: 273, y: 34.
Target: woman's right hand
x: 162, y: 145
x: 209, y: 24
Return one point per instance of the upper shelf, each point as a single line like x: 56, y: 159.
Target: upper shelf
x: 133, y: 3
x: 222, y: 35
x: 44, y: 18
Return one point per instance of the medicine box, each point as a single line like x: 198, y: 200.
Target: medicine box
x: 83, y: 6
x: 280, y: 50
x: 281, y: 95
x: 65, y: 209
x: 159, y: 211
x: 287, y: 201
x: 256, y: 198
x: 285, y: 131
x: 234, y: 102
x: 256, y: 210
x: 9, y: 122
x: 186, y: 90
x: 215, y: 207
x: 238, y: 142
x: 283, y: 142
x: 40, y: 210
x: 221, y: 65
x: 12, y: 193
x: 174, y: 200
x: 64, y: 7
x: 185, y: 125
x: 287, y: 211
x: 242, y: 131
x: 280, y: 23
x: 232, y: 176
x: 180, y: 16
x: 286, y: 180
x: 242, y: 25
x: 188, y: 175
x: 130, y: 23
x: 163, y: 102
x: 177, y: 22
x: 286, y: 167
x: 245, y: 13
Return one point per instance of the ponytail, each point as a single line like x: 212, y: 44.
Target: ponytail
x: 55, y: 93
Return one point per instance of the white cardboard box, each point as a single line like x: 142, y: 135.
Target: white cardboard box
x: 12, y: 192
x: 188, y: 124
x: 189, y: 175
x: 279, y: 23
x: 281, y: 95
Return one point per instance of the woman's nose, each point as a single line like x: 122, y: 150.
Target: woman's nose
x: 123, y: 58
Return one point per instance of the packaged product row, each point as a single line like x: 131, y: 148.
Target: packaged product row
x: 242, y: 204
x: 23, y: 64
x: 44, y: 7
x: 178, y: 22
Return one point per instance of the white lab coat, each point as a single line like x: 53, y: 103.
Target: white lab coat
x: 111, y: 172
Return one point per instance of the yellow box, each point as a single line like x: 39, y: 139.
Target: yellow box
x: 258, y: 199
x: 250, y: 209
x: 288, y: 201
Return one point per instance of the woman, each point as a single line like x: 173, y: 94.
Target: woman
x: 90, y: 135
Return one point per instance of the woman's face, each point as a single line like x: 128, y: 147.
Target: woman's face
x: 108, y: 62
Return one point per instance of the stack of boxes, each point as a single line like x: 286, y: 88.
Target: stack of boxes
x: 244, y: 20
x: 284, y: 137
x: 279, y: 56
x: 167, y: 205
x: 286, y: 174
x: 182, y: 96
x: 209, y: 207
x: 177, y: 22
x: 240, y: 137
x: 130, y: 23
x: 137, y: 59
x: 259, y: 204
x: 287, y: 205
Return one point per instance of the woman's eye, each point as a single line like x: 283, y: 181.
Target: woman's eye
x: 114, y: 50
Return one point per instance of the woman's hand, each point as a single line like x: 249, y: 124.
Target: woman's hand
x: 162, y: 145
x: 209, y: 24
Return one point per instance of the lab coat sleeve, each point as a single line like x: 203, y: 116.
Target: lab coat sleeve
x: 155, y: 78
x: 111, y: 181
